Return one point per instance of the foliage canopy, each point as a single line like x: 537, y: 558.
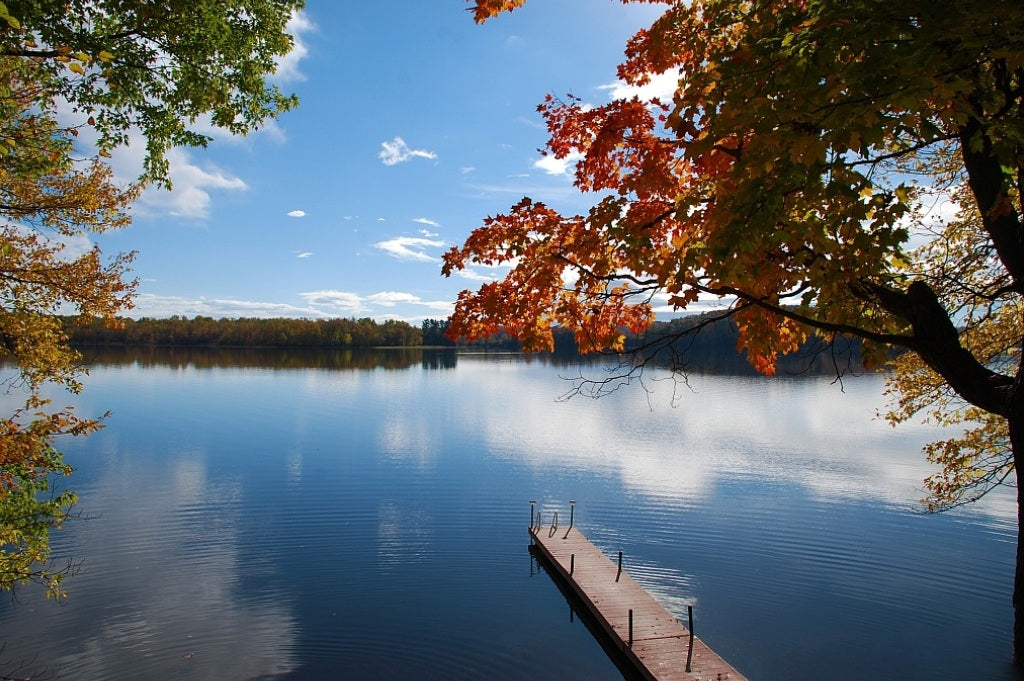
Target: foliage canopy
x: 125, y: 69
x: 794, y: 175
x: 156, y: 68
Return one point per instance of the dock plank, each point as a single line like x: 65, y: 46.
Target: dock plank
x: 661, y: 644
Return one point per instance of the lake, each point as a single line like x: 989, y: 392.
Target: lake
x: 364, y: 516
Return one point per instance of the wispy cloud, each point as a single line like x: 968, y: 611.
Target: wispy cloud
x: 392, y: 298
x: 334, y: 301
x: 397, y: 151
x: 288, y: 65
x: 474, y: 270
x: 322, y: 304
x: 67, y: 247
x: 304, y: 254
x: 347, y: 302
x: 150, y: 305
x: 410, y: 248
x: 661, y: 86
x: 557, y: 166
x: 297, y: 214
x: 190, y: 197
x: 473, y: 275
x: 431, y: 223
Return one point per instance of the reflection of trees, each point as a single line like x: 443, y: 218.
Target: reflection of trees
x: 693, y: 342
x: 272, y: 358
x: 357, y: 344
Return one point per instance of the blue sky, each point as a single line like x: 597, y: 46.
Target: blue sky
x: 414, y: 125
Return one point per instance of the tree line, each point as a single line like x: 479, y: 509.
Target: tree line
x: 699, y: 343
x: 179, y: 331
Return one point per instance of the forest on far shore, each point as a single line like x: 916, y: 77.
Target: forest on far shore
x: 686, y: 340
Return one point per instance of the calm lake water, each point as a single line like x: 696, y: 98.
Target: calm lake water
x: 339, y: 517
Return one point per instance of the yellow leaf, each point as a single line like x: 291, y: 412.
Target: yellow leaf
x: 77, y: 68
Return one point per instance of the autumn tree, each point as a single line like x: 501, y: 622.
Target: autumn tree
x: 124, y: 70
x: 156, y: 69
x: 790, y: 175
x: 49, y: 204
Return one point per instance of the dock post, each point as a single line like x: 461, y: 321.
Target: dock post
x: 572, y: 563
x: 532, y: 503
x: 572, y: 508
x: 631, y: 627
x: 619, y: 573
x: 689, y: 653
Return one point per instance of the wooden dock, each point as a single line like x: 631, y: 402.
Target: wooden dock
x: 650, y: 637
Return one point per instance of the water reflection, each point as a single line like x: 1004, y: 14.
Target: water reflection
x: 271, y: 358
x: 812, y: 433
x: 310, y: 523
x: 165, y: 537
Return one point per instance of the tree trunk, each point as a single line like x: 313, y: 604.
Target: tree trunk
x: 1016, y: 423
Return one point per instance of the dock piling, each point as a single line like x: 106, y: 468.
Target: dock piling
x: 619, y: 573
x: 631, y: 627
x: 689, y: 651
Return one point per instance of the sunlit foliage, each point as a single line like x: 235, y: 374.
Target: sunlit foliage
x: 155, y: 69
x: 121, y: 71
x: 786, y: 176
x: 49, y: 205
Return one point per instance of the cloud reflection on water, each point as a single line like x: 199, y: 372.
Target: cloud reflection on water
x: 167, y: 536
x: 807, y: 432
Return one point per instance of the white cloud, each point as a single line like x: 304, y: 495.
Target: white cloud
x: 397, y: 151
x: 347, y: 302
x: 472, y: 275
x: 288, y: 65
x: 410, y: 248
x: 392, y: 298
x: 440, y: 305
x: 150, y: 305
x: 427, y: 233
x: 338, y: 301
x: 68, y: 247
x: 557, y: 166
x: 297, y: 214
x: 190, y: 197
x: 322, y: 304
x: 426, y: 221
x: 661, y: 86
x: 204, y: 126
x: 304, y: 254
